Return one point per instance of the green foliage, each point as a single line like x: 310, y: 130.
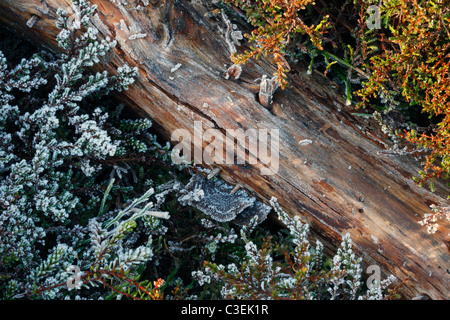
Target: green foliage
x: 413, y: 64
x: 276, y: 22
x: 58, y: 151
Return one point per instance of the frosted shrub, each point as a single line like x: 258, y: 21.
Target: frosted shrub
x: 302, y: 274
x: 56, y: 149
x: 108, y: 262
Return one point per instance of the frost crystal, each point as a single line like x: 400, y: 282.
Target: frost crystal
x: 138, y: 36
x: 52, y: 149
x: 214, y: 198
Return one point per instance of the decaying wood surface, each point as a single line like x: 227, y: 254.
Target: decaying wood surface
x: 341, y: 182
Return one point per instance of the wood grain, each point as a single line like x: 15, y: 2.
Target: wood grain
x: 340, y: 183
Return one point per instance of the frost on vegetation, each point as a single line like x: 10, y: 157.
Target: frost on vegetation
x: 231, y: 33
x: 267, y: 88
x: 137, y: 4
x: 302, y: 276
x: 63, y: 178
x: 53, y: 147
x: 233, y: 36
x: 431, y: 220
x: 175, y: 68
x: 138, y: 36
x: 120, y: 2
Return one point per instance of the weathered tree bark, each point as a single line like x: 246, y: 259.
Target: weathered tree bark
x: 340, y: 183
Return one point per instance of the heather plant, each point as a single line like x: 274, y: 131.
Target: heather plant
x: 89, y: 205
x: 276, y: 23
x: 413, y: 66
x: 400, y: 68
x: 293, y: 269
x: 398, y: 71
x: 54, y: 155
x: 83, y: 188
x: 430, y: 220
x: 410, y: 74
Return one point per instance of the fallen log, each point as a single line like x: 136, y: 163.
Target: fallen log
x: 332, y: 170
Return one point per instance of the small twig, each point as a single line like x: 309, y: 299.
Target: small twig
x: 157, y: 214
x: 213, y: 173
x: 236, y: 188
